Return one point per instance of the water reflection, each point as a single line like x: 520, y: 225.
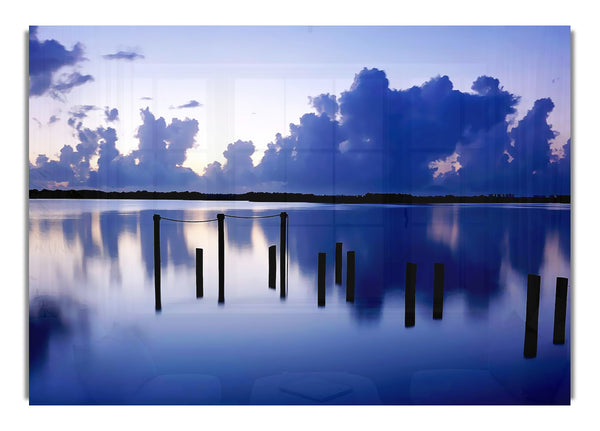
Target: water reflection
x: 472, y: 242
x: 487, y: 252
x: 146, y: 240
x: 239, y: 233
x: 53, y: 318
x: 385, y: 245
x: 112, y: 225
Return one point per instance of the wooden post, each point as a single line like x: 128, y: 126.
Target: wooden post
x: 338, y: 263
x: 531, y: 317
x: 282, y: 256
x: 409, y: 294
x: 438, y: 290
x: 560, y: 310
x: 272, y: 266
x: 321, y: 280
x: 350, y: 261
x: 157, y: 301
x: 199, y: 275
x: 221, y: 224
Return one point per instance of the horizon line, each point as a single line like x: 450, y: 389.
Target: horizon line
x: 369, y: 197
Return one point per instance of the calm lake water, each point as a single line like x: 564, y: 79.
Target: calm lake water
x: 95, y: 337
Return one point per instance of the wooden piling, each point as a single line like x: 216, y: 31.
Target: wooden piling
x: 157, y: 301
x: 221, y: 225
x: 321, y: 280
x: 338, y: 263
x: 409, y: 294
x: 560, y: 310
x: 438, y: 290
x: 350, y: 273
x: 531, y: 317
x: 199, y: 273
x: 272, y: 266
x: 282, y: 256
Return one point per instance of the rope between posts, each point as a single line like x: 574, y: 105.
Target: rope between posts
x: 234, y: 216
x: 187, y: 221
x: 214, y: 219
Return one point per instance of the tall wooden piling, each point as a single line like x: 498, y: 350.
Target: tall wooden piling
x: 409, y: 294
x: 338, y: 263
x: 321, y: 280
x: 272, y: 266
x: 157, y: 301
x: 221, y: 225
x: 350, y: 273
x: 438, y: 290
x: 531, y: 317
x: 560, y: 310
x: 199, y: 273
x: 282, y: 256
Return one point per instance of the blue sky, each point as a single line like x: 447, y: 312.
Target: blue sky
x: 250, y: 83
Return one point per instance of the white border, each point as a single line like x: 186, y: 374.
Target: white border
x: 15, y: 20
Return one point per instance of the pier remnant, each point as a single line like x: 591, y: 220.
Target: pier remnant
x: 321, y: 280
x: 157, y: 302
x: 532, y: 314
x: 338, y: 263
x: 350, y: 274
x: 560, y: 310
x: 409, y: 294
x: 221, y: 226
x: 199, y: 273
x: 272, y: 266
x: 282, y: 256
x: 438, y: 290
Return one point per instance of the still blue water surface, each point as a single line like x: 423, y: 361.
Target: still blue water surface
x: 95, y: 337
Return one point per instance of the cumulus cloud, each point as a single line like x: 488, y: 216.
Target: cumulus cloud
x: 426, y: 139
x: 304, y: 160
x: 109, y: 169
x: 41, y: 159
x: 155, y: 164
x: 47, y: 173
x: 181, y: 137
x: 46, y: 58
x: 111, y: 114
x: 72, y: 167
x: 532, y: 137
x: 430, y: 138
x: 531, y: 150
x: 325, y: 104
x: 239, y: 170
x: 386, y: 140
x: 123, y: 55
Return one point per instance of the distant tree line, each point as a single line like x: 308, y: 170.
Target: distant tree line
x: 369, y: 198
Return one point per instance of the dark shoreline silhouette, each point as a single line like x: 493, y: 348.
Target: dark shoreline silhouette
x: 368, y: 198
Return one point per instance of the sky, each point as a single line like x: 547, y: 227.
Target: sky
x: 235, y: 100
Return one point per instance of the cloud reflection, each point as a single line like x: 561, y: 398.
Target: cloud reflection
x: 472, y: 242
